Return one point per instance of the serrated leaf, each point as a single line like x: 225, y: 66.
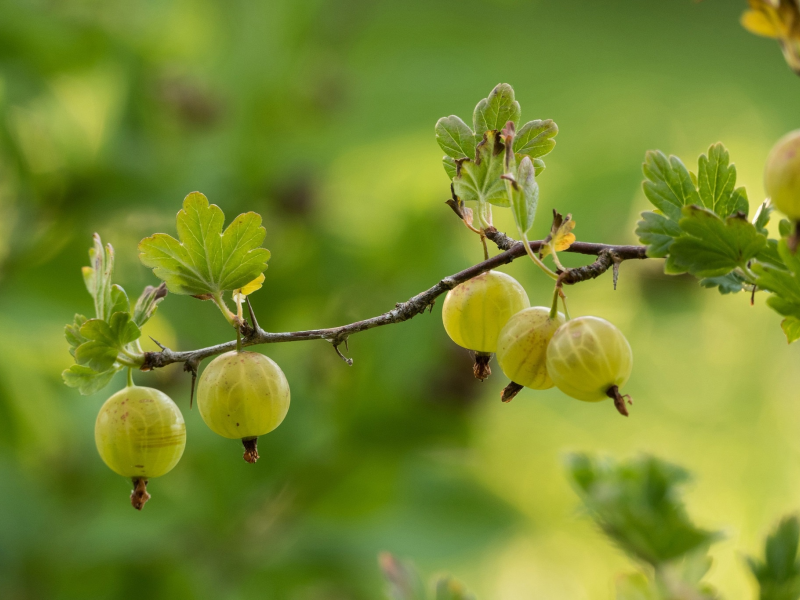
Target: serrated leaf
x: 448, y: 588
x: 495, y: 111
x: 73, y: 333
x: 711, y: 246
x: 770, y: 254
x: 206, y: 260
x: 449, y: 165
x: 657, y: 232
x: 535, y: 139
x: 455, y: 137
x: 524, y: 195
x: 638, y: 505
x: 730, y: 283
x: 762, y: 217
x: 668, y: 186
x: 148, y: 302
x: 782, y: 281
x: 778, y: 575
x: 119, y: 300
x: 791, y: 328
x: 402, y: 579
x: 108, y: 298
x: 86, y: 380
x: 105, y: 340
x: 716, y: 181
x: 479, y: 180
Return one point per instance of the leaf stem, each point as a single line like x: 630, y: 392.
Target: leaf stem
x: 554, y: 305
x: 226, y: 312
x: 537, y: 261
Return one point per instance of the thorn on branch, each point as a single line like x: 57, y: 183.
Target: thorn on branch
x: 157, y: 343
x: 253, y: 320
x: 615, y: 270
x: 336, y: 345
x: 190, y: 366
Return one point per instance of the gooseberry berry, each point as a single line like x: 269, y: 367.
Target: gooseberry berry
x: 140, y: 433
x: 589, y: 359
x: 475, y: 311
x: 782, y: 175
x: 242, y: 395
x: 522, y: 346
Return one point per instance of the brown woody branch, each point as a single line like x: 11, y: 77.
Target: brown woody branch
x: 252, y: 334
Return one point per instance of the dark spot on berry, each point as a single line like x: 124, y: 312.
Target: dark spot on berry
x: 237, y: 424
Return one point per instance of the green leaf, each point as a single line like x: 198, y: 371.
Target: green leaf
x: 73, y: 333
x: 479, y: 180
x: 206, y: 260
x: 119, y: 301
x: 782, y: 281
x: 524, y: 195
x: 449, y: 164
x: 791, y: 327
x: 770, y: 254
x: 402, y: 579
x: 716, y: 180
x: 657, y: 232
x: 668, y: 185
x: 785, y: 228
x: 711, y: 246
x: 105, y: 340
x: 455, y: 137
x: 148, y: 302
x: 108, y: 298
x: 763, y: 214
x: 495, y: 111
x: 535, y: 139
x: 778, y: 575
x: 448, y: 588
x: 87, y: 380
x: 727, y: 284
x: 638, y: 505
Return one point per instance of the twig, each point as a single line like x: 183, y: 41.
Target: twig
x: 253, y: 335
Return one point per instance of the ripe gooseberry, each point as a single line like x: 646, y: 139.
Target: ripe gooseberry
x: 522, y: 348
x: 242, y: 395
x: 589, y: 359
x: 140, y: 433
x: 475, y: 311
x: 782, y: 175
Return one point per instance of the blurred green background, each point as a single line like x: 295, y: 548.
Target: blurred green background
x: 319, y: 115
